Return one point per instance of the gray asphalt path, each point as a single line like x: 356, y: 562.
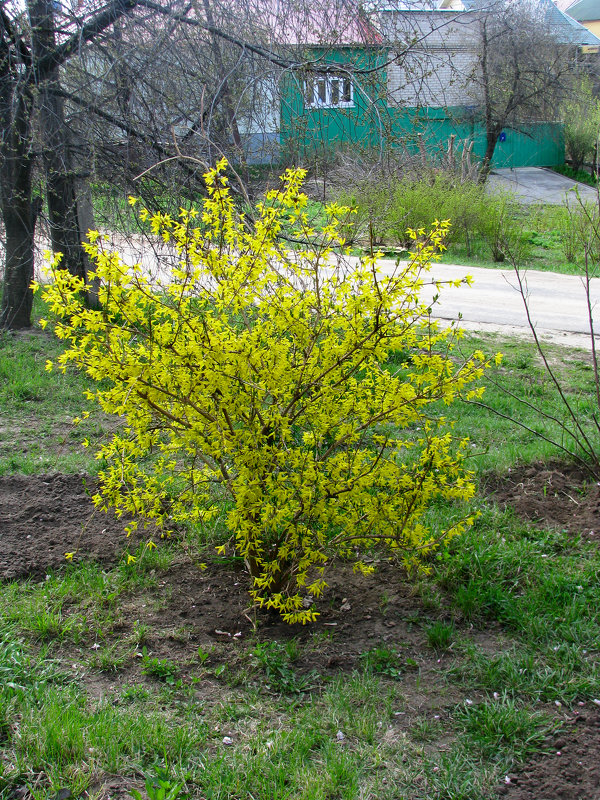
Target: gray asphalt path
x: 532, y: 185
x: 557, y: 303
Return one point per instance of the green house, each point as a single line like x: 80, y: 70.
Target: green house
x: 342, y: 101
x: 409, y: 77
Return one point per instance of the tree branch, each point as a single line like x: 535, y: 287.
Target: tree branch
x: 259, y: 51
x: 88, y: 32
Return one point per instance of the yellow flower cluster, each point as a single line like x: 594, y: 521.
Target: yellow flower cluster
x: 255, y: 374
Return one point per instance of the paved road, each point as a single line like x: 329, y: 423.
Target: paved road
x: 557, y: 303
x: 534, y: 185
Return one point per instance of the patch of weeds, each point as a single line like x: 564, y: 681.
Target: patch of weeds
x: 440, y: 635
x: 23, y: 675
x: 575, y: 174
x: 382, y: 661
x: 160, y: 786
x: 360, y: 705
x: 160, y: 668
x: 319, y: 640
x: 293, y: 649
x: 39, y: 406
x: 478, y: 600
x: 427, y: 730
x: 565, y: 673
x: 221, y: 670
x: 110, y: 659
x: 384, y: 602
x: 537, y: 583
x: 457, y: 776
x: 46, y: 625
x: 9, y: 780
x: 431, y: 598
x: 83, y: 600
x: 151, y: 557
x: 204, y: 655
x: 275, y: 658
x: 504, y: 730
x: 546, y: 239
x: 238, y: 709
x: 140, y: 635
x: 182, y: 634
x: 68, y: 736
x: 135, y: 693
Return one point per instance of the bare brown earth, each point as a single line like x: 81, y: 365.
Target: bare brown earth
x: 571, y: 772
x: 43, y: 517
x: 551, y: 494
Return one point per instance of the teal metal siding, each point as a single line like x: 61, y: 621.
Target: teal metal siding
x: 371, y: 125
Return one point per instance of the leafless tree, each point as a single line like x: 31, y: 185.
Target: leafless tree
x: 525, y: 69
x: 32, y: 51
x: 501, y: 63
x: 99, y: 92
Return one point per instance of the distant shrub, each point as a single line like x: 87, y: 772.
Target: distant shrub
x: 582, y: 121
x: 498, y: 227
x: 388, y: 207
x: 576, y: 174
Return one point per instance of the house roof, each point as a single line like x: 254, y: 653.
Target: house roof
x: 567, y: 29
x: 573, y: 31
x: 421, y: 5
x: 584, y: 10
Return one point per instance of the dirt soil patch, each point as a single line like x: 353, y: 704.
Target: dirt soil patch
x: 571, y: 772
x: 551, y: 494
x: 42, y: 517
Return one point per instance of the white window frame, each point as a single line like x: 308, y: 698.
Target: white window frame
x: 329, y: 90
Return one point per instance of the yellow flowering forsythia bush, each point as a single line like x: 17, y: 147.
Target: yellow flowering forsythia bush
x: 252, y: 384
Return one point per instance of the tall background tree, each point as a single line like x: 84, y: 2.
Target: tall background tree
x: 526, y: 68
x: 32, y: 51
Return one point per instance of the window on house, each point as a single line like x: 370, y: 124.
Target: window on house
x: 329, y: 90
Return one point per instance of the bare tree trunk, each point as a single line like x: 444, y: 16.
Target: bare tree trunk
x: 491, y: 129
x: 17, y: 298
x: 85, y: 218
x: 18, y: 214
x: 60, y: 193
x: 492, y: 135
x: 226, y: 94
x: 65, y: 234
x: 30, y: 61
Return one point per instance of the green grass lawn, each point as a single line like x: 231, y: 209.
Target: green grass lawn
x: 454, y: 681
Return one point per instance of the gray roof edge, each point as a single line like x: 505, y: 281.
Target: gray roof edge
x: 585, y: 37
x: 578, y: 33
x: 584, y: 10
